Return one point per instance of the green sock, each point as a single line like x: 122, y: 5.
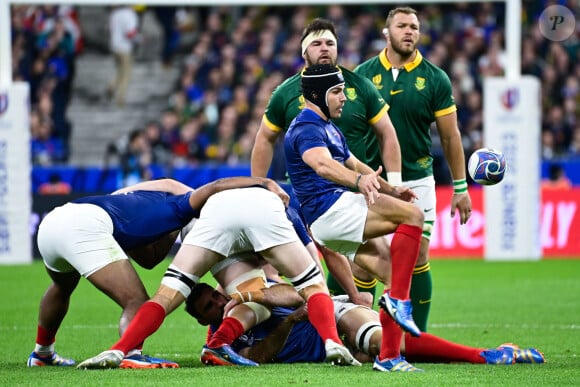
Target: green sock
x: 421, y: 290
x: 335, y: 289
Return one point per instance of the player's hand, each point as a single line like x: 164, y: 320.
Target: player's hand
x: 369, y: 185
x: 461, y: 202
x: 271, y: 185
x: 362, y: 298
x: 230, y: 305
x: 300, y: 314
x: 404, y: 193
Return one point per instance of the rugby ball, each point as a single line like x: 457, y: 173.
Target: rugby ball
x: 487, y: 166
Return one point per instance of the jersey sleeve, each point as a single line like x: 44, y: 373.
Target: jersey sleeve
x: 309, y: 138
x: 443, y: 102
x: 375, y: 103
x: 274, y: 115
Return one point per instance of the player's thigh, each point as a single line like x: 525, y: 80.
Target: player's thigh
x: 195, y: 260
x: 290, y: 259
x: 387, y: 212
x: 120, y: 282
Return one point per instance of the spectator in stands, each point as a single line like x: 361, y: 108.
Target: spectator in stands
x: 54, y: 186
x: 45, y: 149
x: 191, y: 147
x: 123, y: 24
x: 557, y: 179
x: 135, y: 160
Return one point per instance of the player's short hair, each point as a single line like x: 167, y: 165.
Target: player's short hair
x: 318, y: 25
x: 194, y: 295
x: 394, y: 11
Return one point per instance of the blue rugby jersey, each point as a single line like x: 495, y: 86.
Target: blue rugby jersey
x: 142, y: 217
x: 315, y: 193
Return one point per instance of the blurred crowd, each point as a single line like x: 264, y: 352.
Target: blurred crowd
x: 45, y: 42
x: 240, y: 54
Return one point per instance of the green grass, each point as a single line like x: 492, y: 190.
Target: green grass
x: 475, y: 302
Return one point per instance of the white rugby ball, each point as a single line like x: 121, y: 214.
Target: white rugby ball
x: 487, y: 166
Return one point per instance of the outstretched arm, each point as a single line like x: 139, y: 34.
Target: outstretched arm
x: 200, y: 195
x: 453, y: 149
x: 164, y: 185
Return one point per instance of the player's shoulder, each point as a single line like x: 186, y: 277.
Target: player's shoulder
x: 432, y: 68
x: 289, y: 82
x: 367, y: 65
x: 353, y: 79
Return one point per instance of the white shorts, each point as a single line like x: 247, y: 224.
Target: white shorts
x: 244, y: 219
x: 341, y: 227
x: 426, y: 199
x: 78, y: 236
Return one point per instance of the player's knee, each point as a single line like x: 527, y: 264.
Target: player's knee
x: 415, y: 216
x: 309, y: 279
x: 178, y: 280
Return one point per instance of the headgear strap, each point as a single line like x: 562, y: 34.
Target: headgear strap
x: 317, y: 81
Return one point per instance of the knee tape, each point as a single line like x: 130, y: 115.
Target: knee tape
x: 178, y: 280
x: 261, y: 312
x: 364, y: 335
x: 310, y: 276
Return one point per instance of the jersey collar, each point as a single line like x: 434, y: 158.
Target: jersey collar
x: 408, y: 66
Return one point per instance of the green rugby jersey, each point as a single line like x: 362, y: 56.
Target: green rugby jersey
x: 421, y: 92
x: 363, y: 107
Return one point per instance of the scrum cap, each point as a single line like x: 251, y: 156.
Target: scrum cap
x: 317, y: 81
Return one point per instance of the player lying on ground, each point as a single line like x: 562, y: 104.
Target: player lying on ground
x: 288, y: 337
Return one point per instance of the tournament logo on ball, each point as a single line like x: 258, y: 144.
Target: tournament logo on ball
x: 3, y: 103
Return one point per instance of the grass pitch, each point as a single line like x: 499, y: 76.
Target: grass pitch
x: 475, y: 302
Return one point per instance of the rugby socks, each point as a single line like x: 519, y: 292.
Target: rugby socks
x: 392, y: 337
x: 229, y: 330
x: 433, y: 349
x: 421, y: 291
x: 44, y: 341
x: 404, y: 253
x: 366, y: 286
x: 147, y: 320
x: 321, y: 316
x: 362, y: 285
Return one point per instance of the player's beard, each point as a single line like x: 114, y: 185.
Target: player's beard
x: 309, y: 60
x: 405, y: 52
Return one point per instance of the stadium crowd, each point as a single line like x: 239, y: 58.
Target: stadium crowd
x: 238, y: 58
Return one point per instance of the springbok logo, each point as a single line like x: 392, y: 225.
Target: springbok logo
x: 420, y: 83
x: 377, y: 81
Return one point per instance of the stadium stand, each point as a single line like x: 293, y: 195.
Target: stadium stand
x: 204, y: 84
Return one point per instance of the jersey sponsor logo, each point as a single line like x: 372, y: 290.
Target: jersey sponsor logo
x: 377, y: 81
x: 420, y: 83
x: 427, y: 209
x: 395, y: 92
x: 350, y: 93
